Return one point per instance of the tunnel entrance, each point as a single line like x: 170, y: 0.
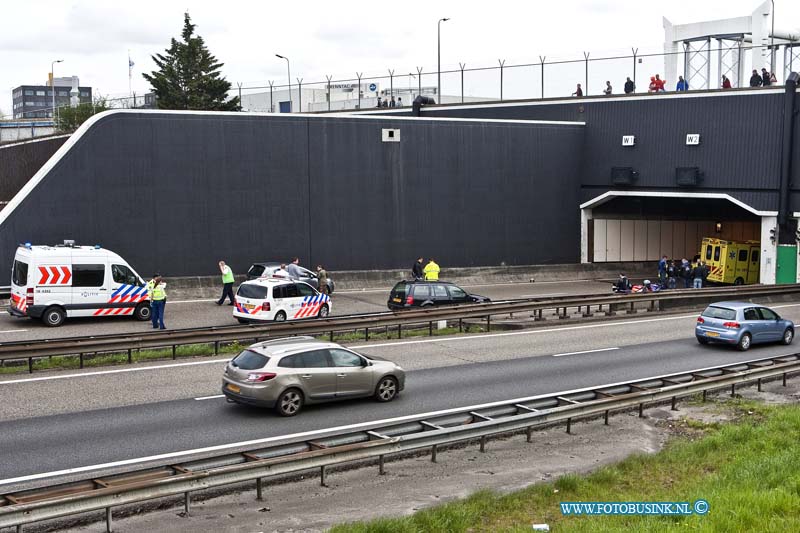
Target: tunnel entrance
x: 621, y: 226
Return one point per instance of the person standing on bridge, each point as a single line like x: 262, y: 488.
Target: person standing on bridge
x: 431, y: 270
x: 682, y: 85
x: 755, y: 79
x: 629, y: 86
x: 227, y: 283
x: 726, y: 82
x: 765, y: 78
x: 607, y: 91
x: 158, y: 300
x: 578, y: 92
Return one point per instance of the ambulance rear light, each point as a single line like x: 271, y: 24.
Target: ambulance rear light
x: 29, y: 296
x: 265, y: 306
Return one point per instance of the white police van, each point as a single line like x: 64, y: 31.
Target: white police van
x: 279, y: 299
x: 55, y: 282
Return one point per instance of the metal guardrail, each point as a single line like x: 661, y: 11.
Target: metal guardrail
x: 609, y: 304
x: 323, y: 449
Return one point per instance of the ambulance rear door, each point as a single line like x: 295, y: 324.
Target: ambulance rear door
x: 742, y: 263
x: 713, y: 258
x: 754, y: 271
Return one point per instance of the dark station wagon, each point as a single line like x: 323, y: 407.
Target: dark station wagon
x: 408, y: 294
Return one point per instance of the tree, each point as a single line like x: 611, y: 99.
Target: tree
x: 68, y: 119
x: 189, y: 76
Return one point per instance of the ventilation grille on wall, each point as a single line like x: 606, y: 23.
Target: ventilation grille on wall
x: 621, y: 176
x: 688, y: 176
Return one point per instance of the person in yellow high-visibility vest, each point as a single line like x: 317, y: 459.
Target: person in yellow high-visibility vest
x: 227, y: 283
x: 158, y: 300
x: 431, y: 271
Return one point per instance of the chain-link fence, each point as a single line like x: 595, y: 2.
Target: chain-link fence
x: 543, y: 78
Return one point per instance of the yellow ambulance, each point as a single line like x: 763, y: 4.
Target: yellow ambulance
x: 735, y: 262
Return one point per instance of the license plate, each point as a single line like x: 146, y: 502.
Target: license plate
x: 234, y: 388
x: 398, y: 300
x: 712, y: 334
x: 249, y: 306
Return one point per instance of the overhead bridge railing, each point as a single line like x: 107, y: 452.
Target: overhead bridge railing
x: 390, y: 322
x: 425, y: 433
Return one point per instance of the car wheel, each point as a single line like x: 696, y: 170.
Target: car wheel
x: 289, y: 403
x: 53, y: 317
x: 243, y: 320
x: 738, y: 281
x: 142, y: 311
x: 386, y: 391
x: 324, y: 311
x: 744, y: 342
x: 702, y: 340
x: 788, y: 336
x: 280, y: 317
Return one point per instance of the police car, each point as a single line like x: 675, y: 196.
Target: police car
x: 279, y: 299
x: 55, y: 282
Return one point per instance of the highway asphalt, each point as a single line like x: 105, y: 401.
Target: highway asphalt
x: 192, y: 313
x: 55, y: 421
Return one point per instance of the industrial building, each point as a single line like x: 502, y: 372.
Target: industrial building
x: 36, y: 101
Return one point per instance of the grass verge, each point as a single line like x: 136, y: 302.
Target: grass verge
x: 67, y: 362
x: 748, y: 471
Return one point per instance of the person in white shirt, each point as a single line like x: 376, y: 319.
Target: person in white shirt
x: 281, y: 272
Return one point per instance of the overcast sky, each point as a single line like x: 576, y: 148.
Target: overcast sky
x: 323, y: 38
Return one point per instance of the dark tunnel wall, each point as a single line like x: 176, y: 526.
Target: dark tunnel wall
x: 20, y: 161
x: 176, y: 192
x: 739, y: 154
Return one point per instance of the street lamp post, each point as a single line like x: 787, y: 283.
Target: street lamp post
x: 53, y: 85
x: 289, y: 73
x: 772, y: 40
x: 439, y: 58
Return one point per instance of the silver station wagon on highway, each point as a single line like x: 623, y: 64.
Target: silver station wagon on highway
x: 742, y: 324
x: 285, y: 374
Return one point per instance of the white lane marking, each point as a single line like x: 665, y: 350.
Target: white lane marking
x: 587, y: 351
x: 214, y: 397
x: 13, y: 331
x: 380, y: 345
x: 615, y: 323
x: 115, y: 371
x: 301, y: 435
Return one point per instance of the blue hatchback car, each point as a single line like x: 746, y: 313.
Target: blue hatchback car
x: 742, y: 324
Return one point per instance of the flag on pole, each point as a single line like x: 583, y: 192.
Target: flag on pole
x: 130, y: 71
